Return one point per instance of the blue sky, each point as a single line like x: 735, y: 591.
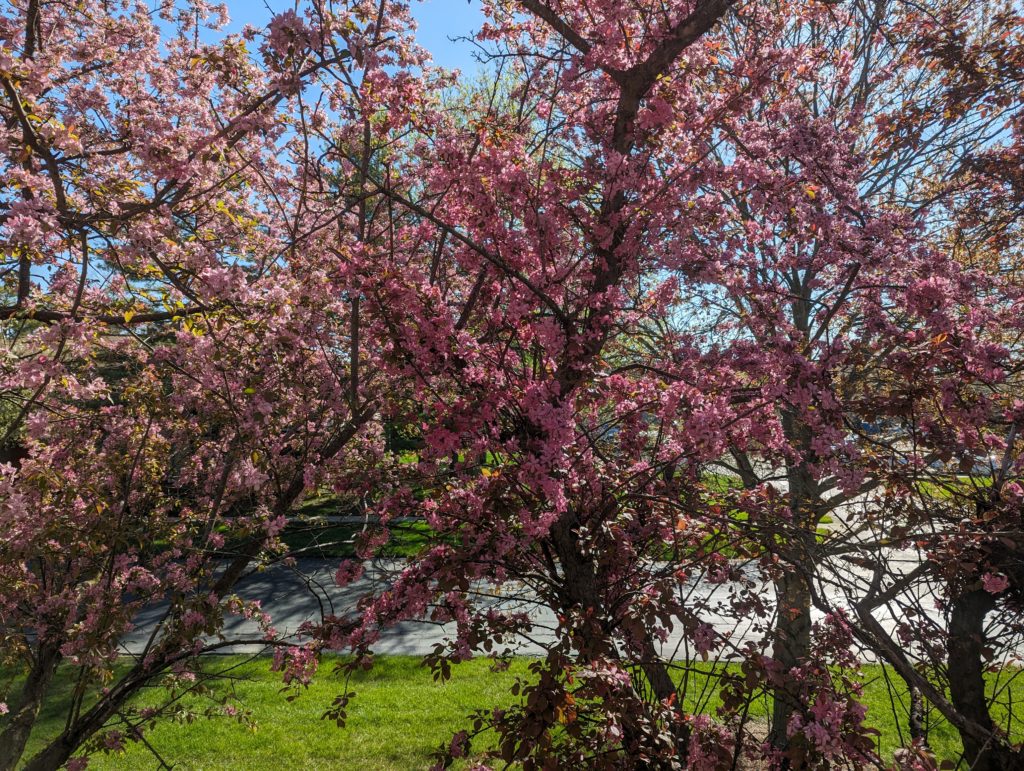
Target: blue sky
x: 438, y: 21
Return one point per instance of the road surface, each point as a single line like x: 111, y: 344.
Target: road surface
x: 295, y: 595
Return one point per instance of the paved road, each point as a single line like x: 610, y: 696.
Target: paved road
x: 293, y: 596
x: 304, y: 592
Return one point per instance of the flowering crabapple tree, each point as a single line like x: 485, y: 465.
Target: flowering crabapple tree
x: 229, y: 265
x: 184, y: 355
x: 544, y: 239
x: 823, y: 275
x: 632, y: 166
x: 962, y: 515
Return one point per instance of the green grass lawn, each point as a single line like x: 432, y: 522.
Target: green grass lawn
x: 407, y: 539
x: 399, y: 716
x: 953, y: 487
x: 884, y: 694
x: 309, y: 534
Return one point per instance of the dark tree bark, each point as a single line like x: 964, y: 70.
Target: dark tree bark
x: 791, y: 649
x: 966, y: 665
x: 33, y: 692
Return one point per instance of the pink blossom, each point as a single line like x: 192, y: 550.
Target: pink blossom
x: 995, y: 583
x: 347, y: 572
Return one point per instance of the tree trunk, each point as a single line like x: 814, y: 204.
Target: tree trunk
x: 52, y: 758
x: 15, y: 736
x: 64, y: 745
x: 59, y: 750
x: 966, y: 667
x: 792, y: 647
x: 792, y: 644
x: 580, y: 586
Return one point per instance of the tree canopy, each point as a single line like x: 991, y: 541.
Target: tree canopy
x: 684, y: 317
